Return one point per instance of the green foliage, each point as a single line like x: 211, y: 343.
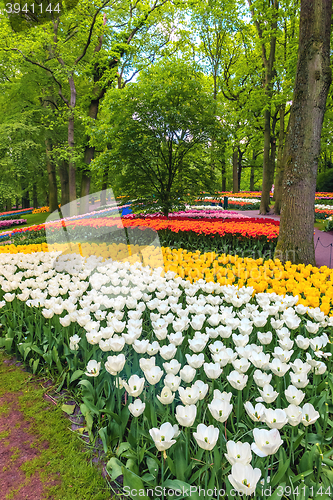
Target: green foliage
x: 325, y: 182
x: 159, y: 129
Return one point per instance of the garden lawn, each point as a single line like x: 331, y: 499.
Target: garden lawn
x: 31, y: 220
x: 40, y: 457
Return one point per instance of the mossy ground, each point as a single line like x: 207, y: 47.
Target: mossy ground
x: 59, y: 461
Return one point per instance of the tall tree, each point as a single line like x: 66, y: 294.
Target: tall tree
x: 268, y: 60
x: 313, y: 79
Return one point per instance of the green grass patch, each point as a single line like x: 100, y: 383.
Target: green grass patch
x: 66, y: 459
x: 31, y: 220
x: 319, y: 224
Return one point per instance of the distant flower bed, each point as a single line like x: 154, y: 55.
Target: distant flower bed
x: 191, y: 213
x: 9, y: 223
x: 41, y: 210
x: 16, y: 212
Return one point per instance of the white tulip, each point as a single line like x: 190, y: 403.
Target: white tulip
x: 266, y: 442
x: 196, y: 344
x: 172, y: 381
x: 153, y: 348
x: 153, y: 375
x: 309, y: 414
x: 312, y: 327
x: 294, y: 414
x: 268, y: 394
x: 220, y: 410
x: 241, y: 365
x: 117, y: 343
x: 163, y: 437
x: 135, y: 385
x: 74, y: 342
x: 93, y: 368
x: 278, y: 368
x: 299, y: 367
x: 137, y: 408
x: 240, y: 340
x: 186, y: 415
x: 147, y: 364
x: 237, y: 380
x: 282, y: 354
x: 299, y: 380
x: 176, y: 338
x: 260, y: 360
x: 223, y: 396
x: 196, y: 360
x: 168, y: 351
x: 206, y: 437
x: 140, y: 346
x: 190, y: 395
x: 257, y: 413
x: 265, y: 338
x: 302, y: 342
x: 115, y: 364
x: 238, y: 453
x: 261, y: 378
x: 187, y: 373
x: 216, y: 347
x: 212, y: 370
x: 275, y: 419
x: 94, y: 337
x: 166, y: 396
x: 293, y: 395
x: 172, y: 367
x: 244, y: 478
x: 203, y: 389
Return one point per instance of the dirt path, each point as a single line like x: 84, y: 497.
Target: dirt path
x: 40, y: 457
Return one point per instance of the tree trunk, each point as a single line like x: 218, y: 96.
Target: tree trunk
x: 239, y: 173
x: 71, y: 164
x: 34, y: 195
x: 25, y: 196
x: 252, y: 171
x: 235, y: 171
x: 63, y: 174
x: 223, y: 168
x: 272, y: 161
x: 84, y: 195
x: 51, y: 173
x: 313, y: 79
x: 104, y: 184
x: 279, y: 164
x: 266, y: 173
x: 268, y: 62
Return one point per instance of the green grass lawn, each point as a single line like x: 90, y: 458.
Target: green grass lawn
x: 319, y: 224
x: 61, y: 461
x: 31, y: 220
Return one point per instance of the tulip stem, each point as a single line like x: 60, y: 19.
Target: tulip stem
x: 206, y: 474
x: 266, y: 471
x: 239, y: 407
x: 162, y: 467
x: 186, y: 440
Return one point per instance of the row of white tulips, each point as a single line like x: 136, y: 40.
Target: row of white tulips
x: 206, y: 324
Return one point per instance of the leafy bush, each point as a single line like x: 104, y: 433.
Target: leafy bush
x: 325, y: 181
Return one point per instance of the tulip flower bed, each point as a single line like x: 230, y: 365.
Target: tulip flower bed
x: 233, y: 235
x: 312, y: 286
x: 16, y: 212
x: 187, y: 385
x: 323, y: 213
x: 12, y: 222
x: 192, y: 213
x: 41, y: 210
